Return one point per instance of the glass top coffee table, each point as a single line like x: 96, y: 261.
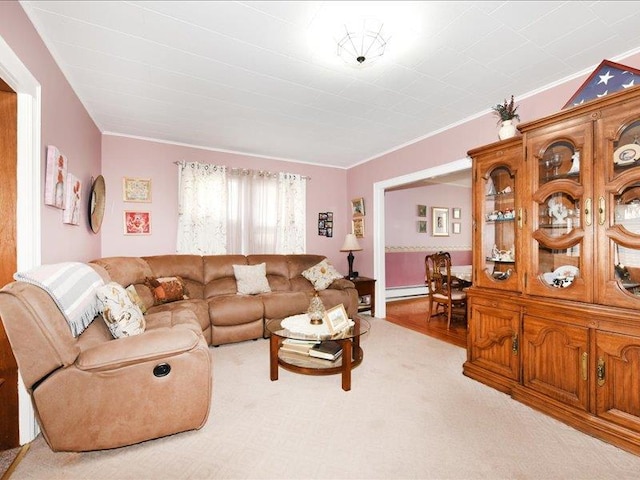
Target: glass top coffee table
x: 349, y: 340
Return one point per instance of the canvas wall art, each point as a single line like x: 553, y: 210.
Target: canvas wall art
x: 73, y: 194
x: 55, y: 178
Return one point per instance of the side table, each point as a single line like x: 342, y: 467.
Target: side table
x: 365, y: 287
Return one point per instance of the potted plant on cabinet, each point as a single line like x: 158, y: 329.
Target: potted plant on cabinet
x: 506, y: 112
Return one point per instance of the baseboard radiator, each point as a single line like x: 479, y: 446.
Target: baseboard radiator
x: 399, y: 293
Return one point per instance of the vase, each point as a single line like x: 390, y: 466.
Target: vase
x: 507, y: 130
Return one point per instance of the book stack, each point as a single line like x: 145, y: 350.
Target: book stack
x: 301, y: 347
x: 326, y: 350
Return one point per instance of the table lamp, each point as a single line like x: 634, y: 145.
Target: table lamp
x: 351, y: 245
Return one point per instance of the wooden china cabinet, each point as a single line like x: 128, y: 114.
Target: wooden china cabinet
x: 554, y: 311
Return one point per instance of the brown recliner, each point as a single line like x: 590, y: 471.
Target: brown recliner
x: 95, y: 392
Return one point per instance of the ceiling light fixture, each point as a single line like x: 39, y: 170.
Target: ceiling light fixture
x: 363, y: 42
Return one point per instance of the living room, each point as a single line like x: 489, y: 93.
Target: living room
x: 64, y: 121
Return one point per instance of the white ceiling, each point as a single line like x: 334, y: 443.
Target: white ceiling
x: 242, y: 76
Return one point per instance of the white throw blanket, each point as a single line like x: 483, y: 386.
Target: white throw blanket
x: 72, y: 286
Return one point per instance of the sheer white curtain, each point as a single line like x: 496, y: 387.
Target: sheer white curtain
x: 202, y: 209
x: 292, y: 213
x: 241, y: 211
x: 251, y: 222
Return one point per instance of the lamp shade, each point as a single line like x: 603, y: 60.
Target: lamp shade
x: 350, y: 244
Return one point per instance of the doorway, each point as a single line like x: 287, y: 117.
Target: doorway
x: 28, y: 193
x: 379, y: 218
x: 9, y: 425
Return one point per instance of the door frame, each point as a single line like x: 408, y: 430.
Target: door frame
x: 29, y: 252
x: 379, y: 220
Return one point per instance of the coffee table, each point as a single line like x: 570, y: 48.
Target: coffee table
x: 349, y: 340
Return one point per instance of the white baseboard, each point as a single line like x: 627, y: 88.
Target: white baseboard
x: 397, y: 293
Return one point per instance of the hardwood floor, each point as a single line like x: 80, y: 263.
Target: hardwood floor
x: 412, y: 314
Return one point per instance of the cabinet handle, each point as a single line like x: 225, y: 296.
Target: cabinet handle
x: 601, y: 207
x: 585, y: 358
x: 600, y: 372
x: 520, y: 218
x: 587, y: 212
x: 514, y: 344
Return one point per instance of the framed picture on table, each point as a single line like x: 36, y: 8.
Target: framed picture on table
x: 336, y: 319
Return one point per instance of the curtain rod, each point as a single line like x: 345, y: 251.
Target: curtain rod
x: 237, y: 170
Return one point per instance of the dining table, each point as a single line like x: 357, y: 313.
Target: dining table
x: 464, y: 273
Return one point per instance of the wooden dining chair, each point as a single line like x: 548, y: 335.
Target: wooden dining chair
x: 445, y: 296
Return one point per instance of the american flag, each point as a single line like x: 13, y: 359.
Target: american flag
x: 609, y: 77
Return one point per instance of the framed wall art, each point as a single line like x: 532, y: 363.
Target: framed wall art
x: 439, y: 222
x: 422, y: 226
x: 422, y: 210
x: 457, y: 227
x: 456, y: 213
x: 136, y: 189
x: 357, y: 227
x: 137, y: 223
x: 325, y: 224
x: 357, y: 207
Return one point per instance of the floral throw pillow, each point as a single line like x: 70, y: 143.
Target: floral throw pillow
x: 123, y: 317
x: 251, y: 279
x: 135, y: 298
x: 322, y: 275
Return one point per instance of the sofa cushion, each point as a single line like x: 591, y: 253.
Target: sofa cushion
x: 285, y: 304
x: 122, y: 316
x: 234, y: 310
x: 277, y: 267
x: 321, y: 275
x: 199, y: 308
x: 167, y: 289
x: 251, y: 279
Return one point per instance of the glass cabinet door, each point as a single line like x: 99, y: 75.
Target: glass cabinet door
x: 560, y: 223
x: 498, y: 220
x: 618, y: 196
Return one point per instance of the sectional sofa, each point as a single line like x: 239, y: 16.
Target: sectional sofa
x: 92, y: 391
x: 224, y: 316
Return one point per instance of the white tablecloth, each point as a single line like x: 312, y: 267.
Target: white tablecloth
x: 301, y: 324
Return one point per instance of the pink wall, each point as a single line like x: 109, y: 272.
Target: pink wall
x: 406, y: 269
x: 401, y: 216
x: 448, y: 146
x: 406, y: 247
x: 65, y: 124
x: 123, y: 156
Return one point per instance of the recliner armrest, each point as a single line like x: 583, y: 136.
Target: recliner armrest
x: 151, y: 345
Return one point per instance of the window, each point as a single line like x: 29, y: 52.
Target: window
x: 240, y: 211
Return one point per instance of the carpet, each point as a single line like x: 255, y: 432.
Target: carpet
x: 411, y: 414
x: 6, y: 460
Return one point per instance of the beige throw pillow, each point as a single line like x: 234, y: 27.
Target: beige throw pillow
x: 322, y: 275
x: 123, y: 317
x: 251, y: 279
